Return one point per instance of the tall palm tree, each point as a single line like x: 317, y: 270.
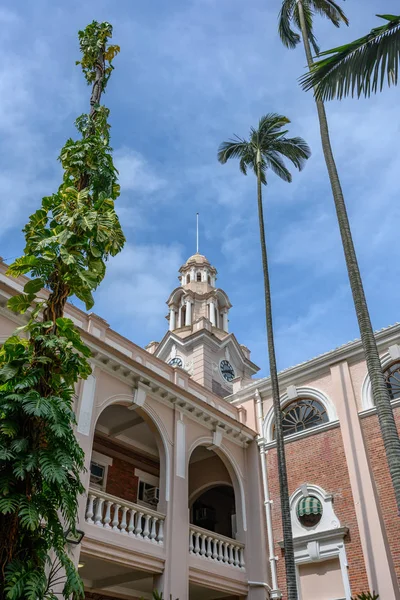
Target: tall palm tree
x: 262, y: 151
x: 300, y: 14
x: 360, y: 67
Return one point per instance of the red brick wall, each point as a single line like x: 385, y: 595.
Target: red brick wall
x: 319, y: 459
x: 121, y: 479
x: 376, y: 454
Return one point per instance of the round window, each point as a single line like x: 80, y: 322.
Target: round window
x: 309, y: 511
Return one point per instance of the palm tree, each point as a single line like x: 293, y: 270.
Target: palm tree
x: 360, y: 67
x: 262, y: 151
x: 300, y: 13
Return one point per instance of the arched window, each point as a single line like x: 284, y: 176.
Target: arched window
x: 198, y: 277
x: 392, y: 378
x: 302, y: 414
x: 188, y: 278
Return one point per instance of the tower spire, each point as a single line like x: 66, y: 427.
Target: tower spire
x: 197, y: 233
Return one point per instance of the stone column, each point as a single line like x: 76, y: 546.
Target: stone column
x: 212, y: 314
x: 374, y: 542
x: 188, y: 315
x: 171, y: 318
x: 225, y: 321
x: 175, y: 578
x: 180, y: 317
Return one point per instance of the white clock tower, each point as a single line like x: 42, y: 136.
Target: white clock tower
x: 198, y: 339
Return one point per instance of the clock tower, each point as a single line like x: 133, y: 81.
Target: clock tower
x: 198, y: 338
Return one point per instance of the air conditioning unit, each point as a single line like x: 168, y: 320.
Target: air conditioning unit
x: 152, y: 495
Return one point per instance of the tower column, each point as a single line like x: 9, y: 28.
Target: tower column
x: 225, y: 320
x: 171, y: 318
x: 188, y: 314
x: 212, y: 314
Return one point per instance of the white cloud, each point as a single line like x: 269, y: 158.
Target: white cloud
x: 135, y: 173
x: 137, y: 285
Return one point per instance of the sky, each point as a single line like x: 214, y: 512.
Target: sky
x: 191, y: 73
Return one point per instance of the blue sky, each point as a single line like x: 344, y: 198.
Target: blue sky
x: 190, y: 74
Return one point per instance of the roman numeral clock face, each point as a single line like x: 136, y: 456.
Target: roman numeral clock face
x: 227, y: 371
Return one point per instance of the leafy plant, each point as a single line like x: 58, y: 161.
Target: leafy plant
x: 366, y: 596
x: 68, y: 240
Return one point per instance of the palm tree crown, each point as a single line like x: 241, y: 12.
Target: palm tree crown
x: 360, y: 67
x: 289, y: 16
x: 266, y: 146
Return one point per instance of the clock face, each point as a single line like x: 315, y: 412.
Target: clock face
x: 176, y: 362
x: 227, y: 370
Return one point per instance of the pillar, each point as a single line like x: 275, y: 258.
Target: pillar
x: 180, y: 317
x: 188, y: 315
x: 172, y: 318
x: 174, y: 581
x: 378, y: 560
x: 225, y: 321
x: 212, y: 314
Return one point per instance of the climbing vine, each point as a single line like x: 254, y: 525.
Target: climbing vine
x: 68, y: 241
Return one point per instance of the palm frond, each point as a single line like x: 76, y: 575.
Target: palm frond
x: 234, y: 148
x: 271, y: 123
x: 331, y: 10
x: 294, y: 149
x: 360, y: 67
x: 308, y: 18
x: 289, y: 38
x: 276, y: 164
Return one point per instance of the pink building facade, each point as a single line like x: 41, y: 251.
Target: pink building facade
x: 182, y: 483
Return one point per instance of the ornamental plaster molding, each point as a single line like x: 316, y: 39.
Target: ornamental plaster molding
x: 301, y: 392
x: 392, y: 354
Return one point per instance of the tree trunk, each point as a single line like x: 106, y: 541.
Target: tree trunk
x: 280, y: 446
x: 379, y: 388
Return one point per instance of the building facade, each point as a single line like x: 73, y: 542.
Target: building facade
x: 182, y: 489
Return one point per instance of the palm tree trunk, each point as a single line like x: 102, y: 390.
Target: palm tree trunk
x: 379, y: 389
x: 283, y: 482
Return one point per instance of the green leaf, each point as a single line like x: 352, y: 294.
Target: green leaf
x: 28, y: 514
x: 8, y: 371
x: 20, y: 303
x: 9, y: 504
x: 34, y: 285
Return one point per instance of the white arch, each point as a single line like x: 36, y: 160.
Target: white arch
x: 127, y: 400
x: 367, y: 400
x: 233, y: 469
x: 302, y: 392
x: 203, y: 488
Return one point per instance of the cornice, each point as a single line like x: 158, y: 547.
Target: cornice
x: 319, y: 366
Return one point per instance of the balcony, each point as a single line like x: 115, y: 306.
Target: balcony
x: 124, y: 518
x: 214, y: 547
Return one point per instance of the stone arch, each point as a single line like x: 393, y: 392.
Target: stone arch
x: 156, y: 425
x: 302, y: 392
x: 367, y: 400
x: 234, y: 472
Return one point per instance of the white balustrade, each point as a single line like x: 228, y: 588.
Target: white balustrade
x: 124, y: 517
x: 215, y: 547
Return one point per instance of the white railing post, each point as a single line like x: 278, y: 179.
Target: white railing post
x: 160, y: 537
x: 146, y: 530
x: 98, y: 519
x: 116, y: 517
x: 107, y: 517
x: 131, y: 525
x: 89, y: 509
x: 190, y: 541
x: 138, y: 530
x: 153, y: 531
x: 209, y: 547
x: 123, y: 520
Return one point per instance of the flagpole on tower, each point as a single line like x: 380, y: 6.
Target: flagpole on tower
x: 197, y: 233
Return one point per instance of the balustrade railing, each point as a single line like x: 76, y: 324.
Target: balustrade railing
x: 124, y: 517
x: 213, y: 546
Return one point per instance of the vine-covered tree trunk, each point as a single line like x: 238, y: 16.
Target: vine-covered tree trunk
x: 379, y: 389
x: 68, y: 240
